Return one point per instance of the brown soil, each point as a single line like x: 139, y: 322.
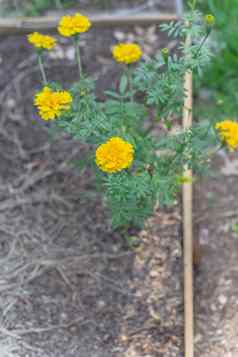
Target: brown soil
x: 69, y: 286
x: 216, y: 212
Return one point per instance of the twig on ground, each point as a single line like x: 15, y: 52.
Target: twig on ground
x: 118, y: 288
x: 221, y: 215
x: 81, y: 321
x: 12, y: 347
x: 65, y: 278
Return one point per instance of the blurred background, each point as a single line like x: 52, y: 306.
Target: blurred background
x: 39, y: 7
x: 221, y: 77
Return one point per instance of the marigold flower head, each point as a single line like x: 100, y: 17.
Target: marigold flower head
x: 51, y: 104
x: 115, y: 155
x: 127, y: 53
x: 209, y: 19
x: 228, y: 132
x: 41, y: 41
x: 73, y: 25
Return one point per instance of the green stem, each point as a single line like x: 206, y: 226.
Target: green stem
x: 42, y: 70
x: 194, y: 3
x: 213, y: 151
x: 59, y: 4
x: 77, y: 55
x: 129, y: 75
x: 106, y: 4
x: 202, y: 43
x: 150, y: 128
x: 16, y: 4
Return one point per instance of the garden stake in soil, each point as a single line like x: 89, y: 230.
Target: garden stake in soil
x: 187, y: 229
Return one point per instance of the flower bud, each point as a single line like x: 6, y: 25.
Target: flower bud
x: 209, y: 20
x: 165, y: 54
x: 220, y: 101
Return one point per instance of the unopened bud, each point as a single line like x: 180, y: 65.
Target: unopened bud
x: 165, y: 54
x: 209, y: 20
x: 220, y: 102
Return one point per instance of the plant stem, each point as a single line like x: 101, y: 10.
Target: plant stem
x: 77, y: 55
x: 202, y: 43
x: 42, y: 70
x: 59, y: 4
x: 213, y: 151
x: 194, y: 3
x: 106, y: 4
x: 16, y: 4
x: 129, y: 75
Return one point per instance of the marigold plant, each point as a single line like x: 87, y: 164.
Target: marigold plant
x: 134, y: 166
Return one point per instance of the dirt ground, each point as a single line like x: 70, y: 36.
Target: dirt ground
x: 69, y: 286
x: 216, y: 283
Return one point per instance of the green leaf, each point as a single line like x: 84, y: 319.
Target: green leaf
x: 235, y: 229
x: 112, y: 94
x: 123, y: 84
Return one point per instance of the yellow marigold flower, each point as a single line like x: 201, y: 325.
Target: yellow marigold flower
x: 114, y: 155
x: 73, y: 25
x: 228, y: 132
x: 209, y: 19
x: 41, y: 41
x: 127, y: 53
x: 52, y: 104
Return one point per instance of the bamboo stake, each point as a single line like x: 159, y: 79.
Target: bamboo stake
x: 29, y: 24
x: 187, y: 229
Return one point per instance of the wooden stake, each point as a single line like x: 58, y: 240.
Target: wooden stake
x: 187, y: 229
x: 26, y: 25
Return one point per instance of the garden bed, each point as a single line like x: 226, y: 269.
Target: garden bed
x: 69, y: 285
x: 72, y: 286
